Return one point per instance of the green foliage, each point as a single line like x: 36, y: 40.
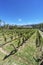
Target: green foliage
x: 22, y: 35
x: 38, y: 39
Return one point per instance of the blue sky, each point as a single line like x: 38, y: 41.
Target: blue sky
x: 21, y: 11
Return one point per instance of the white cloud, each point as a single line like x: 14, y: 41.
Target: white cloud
x: 19, y: 19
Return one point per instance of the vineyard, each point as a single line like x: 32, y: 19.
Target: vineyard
x: 21, y: 47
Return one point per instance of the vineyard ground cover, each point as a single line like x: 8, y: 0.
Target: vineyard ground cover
x: 7, y: 37
x: 8, y: 47
x: 8, y: 42
x: 23, y: 56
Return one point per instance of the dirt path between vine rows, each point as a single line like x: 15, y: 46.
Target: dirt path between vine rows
x: 3, y: 51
